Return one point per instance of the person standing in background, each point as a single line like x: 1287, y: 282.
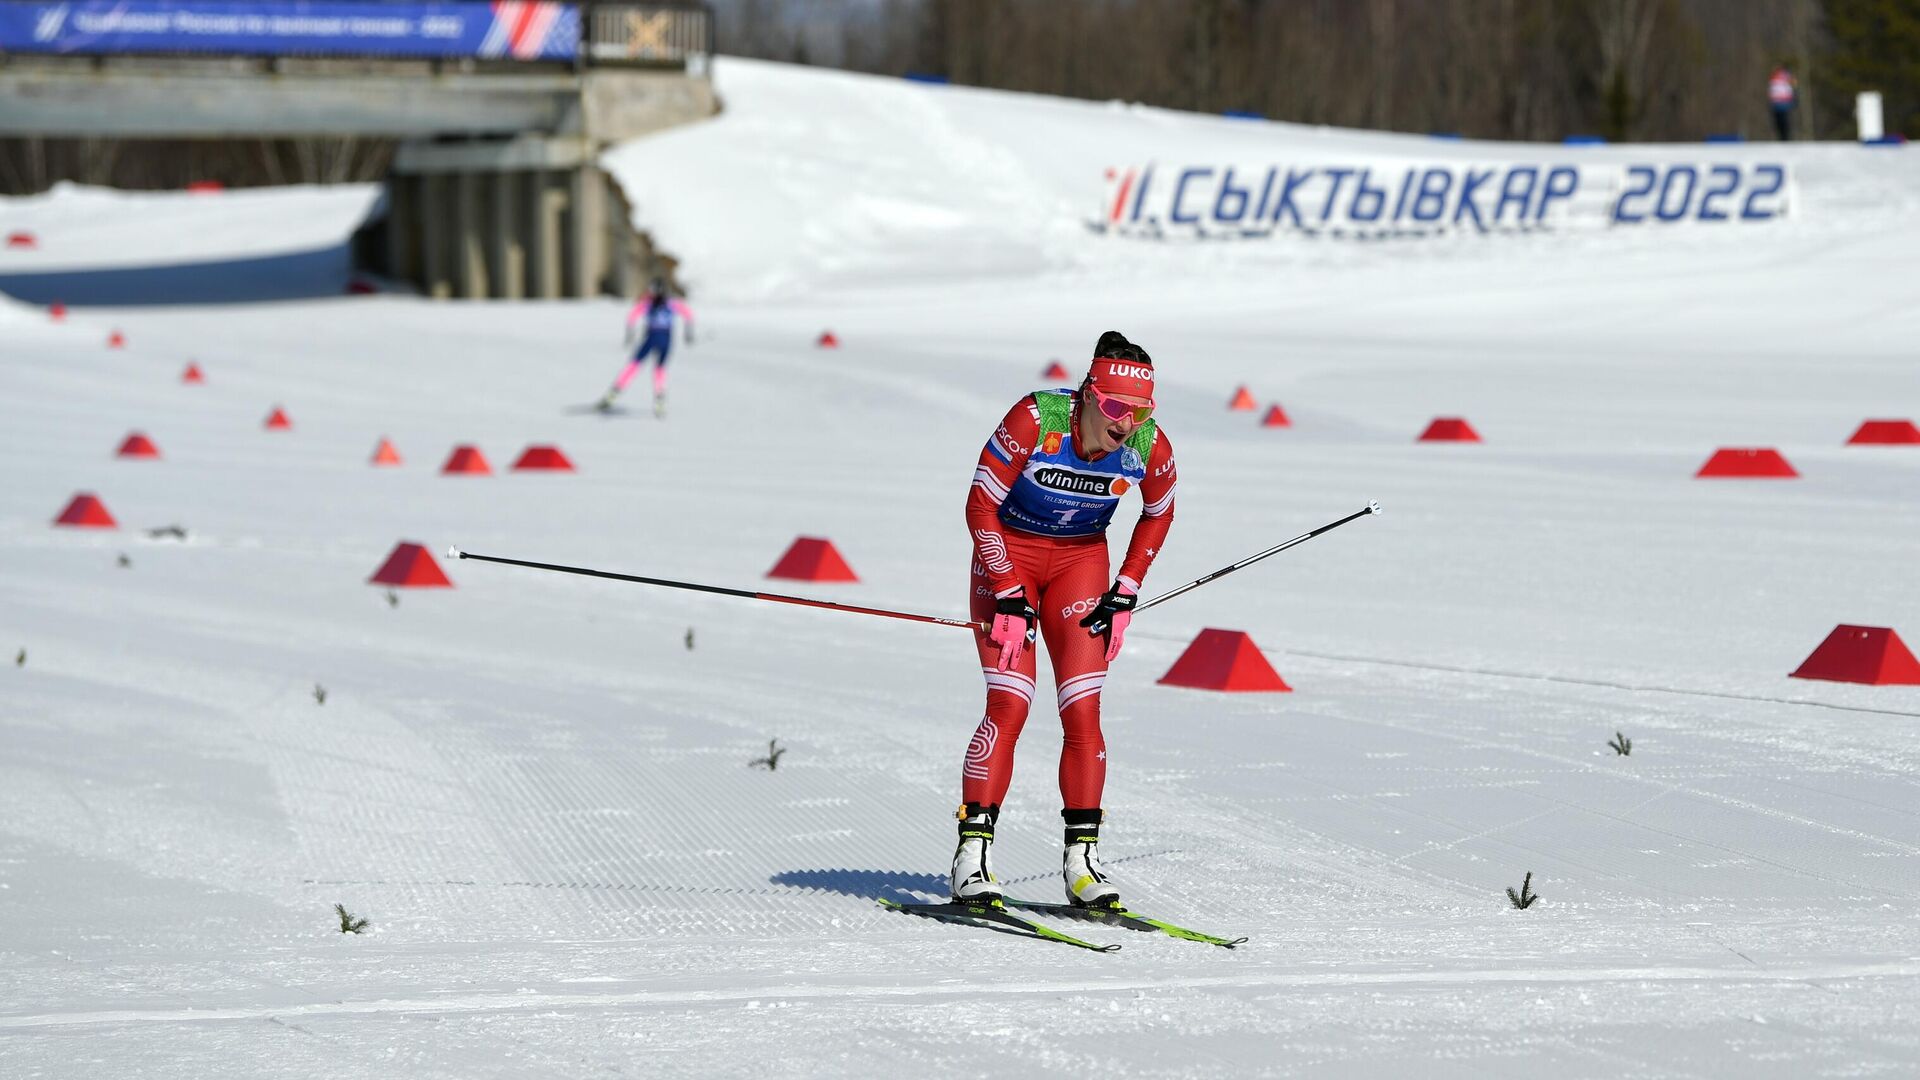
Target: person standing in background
x: 1782, y: 92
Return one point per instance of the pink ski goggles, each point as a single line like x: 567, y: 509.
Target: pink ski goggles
x: 1114, y: 409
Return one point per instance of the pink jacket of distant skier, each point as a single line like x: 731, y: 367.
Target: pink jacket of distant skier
x: 658, y: 317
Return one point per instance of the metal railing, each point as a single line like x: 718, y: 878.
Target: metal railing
x: 647, y: 35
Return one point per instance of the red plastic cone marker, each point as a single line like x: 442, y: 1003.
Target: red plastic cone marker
x: 192, y: 374
x: 1761, y: 462
x: 1276, y: 417
x: 1055, y: 370
x: 86, y: 511
x: 22, y: 241
x: 828, y: 341
x: 466, y: 459
x: 811, y: 558
x: 1449, y: 429
x: 385, y: 454
x: 278, y: 421
x: 57, y: 311
x: 411, y: 566
x: 1862, y: 654
x: 1242, y: 401
x: 137, y: 446
x: 548, y: 458
x: 116, y: 340
x: 1224, y: 660
x: 206, y: 187
x: 1885, y: 433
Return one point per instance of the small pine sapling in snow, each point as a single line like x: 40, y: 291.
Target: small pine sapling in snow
x: 21, y: 660
x: 772, y: 760
x: 689, y: 639
x: 125, y: 562
x: 393, y: 598
x: 349, y: 923
x: 165, y: 532
x: 1525, y: 897
x: 319, y: 694
x: 1621, y: 744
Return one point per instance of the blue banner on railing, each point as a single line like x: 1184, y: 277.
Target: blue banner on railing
x: 504, y: 29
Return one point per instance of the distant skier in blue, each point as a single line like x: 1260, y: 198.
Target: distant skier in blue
x: 657, y: 310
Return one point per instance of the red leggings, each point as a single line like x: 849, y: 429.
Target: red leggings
x: 1064, y: 579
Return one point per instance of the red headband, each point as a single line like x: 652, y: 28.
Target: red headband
x: 1127, y: 377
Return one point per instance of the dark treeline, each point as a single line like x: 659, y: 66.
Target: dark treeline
x: 31, y: 164
x: 1630, y: 70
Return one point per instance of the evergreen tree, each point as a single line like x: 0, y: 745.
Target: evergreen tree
x: 1876, y: 46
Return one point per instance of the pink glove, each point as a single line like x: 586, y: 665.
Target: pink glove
x: 1014, y: 622
x: 1111, y: 616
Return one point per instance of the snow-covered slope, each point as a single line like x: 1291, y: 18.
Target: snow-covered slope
x: 539, y: 791
x: 96, y: 246
x: 810, y: 179
x: 89, y: 228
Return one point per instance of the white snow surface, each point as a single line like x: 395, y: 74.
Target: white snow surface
x: 809, y: 179
x: 540, y: 795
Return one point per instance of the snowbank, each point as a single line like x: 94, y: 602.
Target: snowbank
x: 811, y: 179
x: 81, y: 227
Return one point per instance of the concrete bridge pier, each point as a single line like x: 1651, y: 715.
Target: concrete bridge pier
x: 493, y: 191
x: 530, y: 217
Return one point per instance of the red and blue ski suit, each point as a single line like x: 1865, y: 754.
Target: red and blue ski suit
x: 1038, y: 513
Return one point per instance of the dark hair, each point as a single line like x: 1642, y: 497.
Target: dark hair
x: 1113, y: 345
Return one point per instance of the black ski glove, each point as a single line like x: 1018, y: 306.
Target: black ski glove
x: 1112, y: 602
x: 1110, y: 616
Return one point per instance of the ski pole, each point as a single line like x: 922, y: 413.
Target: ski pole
x: 665, y: 583
x: 1371, y: 508
x: 855, y: 609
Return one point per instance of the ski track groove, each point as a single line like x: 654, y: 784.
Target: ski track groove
x: 516, y: 1000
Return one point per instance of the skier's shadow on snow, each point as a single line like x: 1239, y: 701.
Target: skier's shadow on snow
x: 869, y: 884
